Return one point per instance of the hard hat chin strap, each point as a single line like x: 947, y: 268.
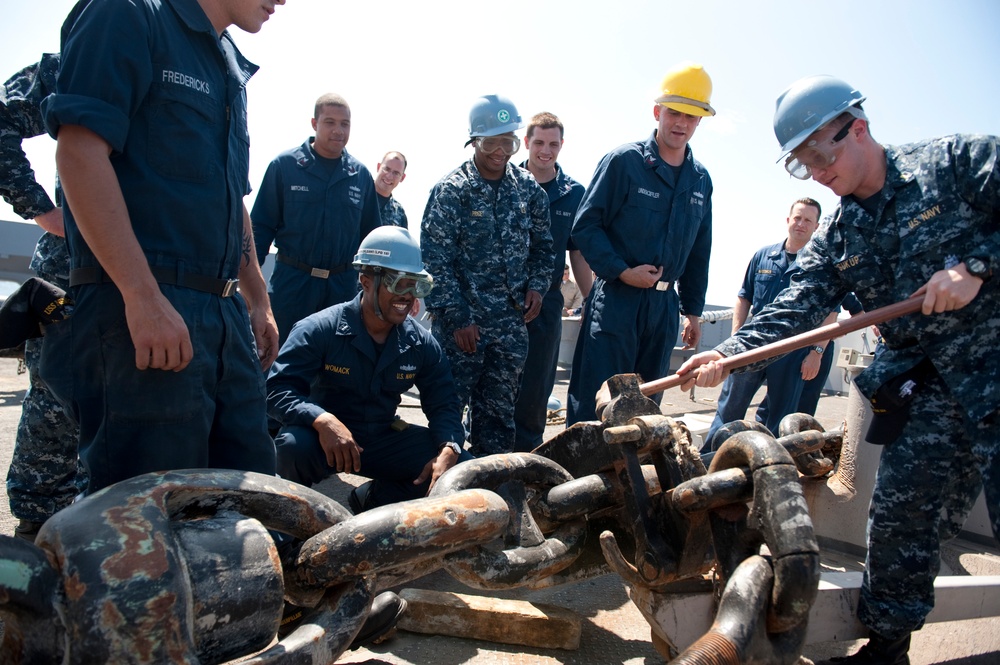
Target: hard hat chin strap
x: 377, y: 284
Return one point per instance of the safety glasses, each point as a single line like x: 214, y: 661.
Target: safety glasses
x: 508, y: 144
x: 401, y: 283
x: 814, y: 155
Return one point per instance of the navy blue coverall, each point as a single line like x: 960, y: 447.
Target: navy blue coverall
x: 330, y: 364
x: 156, y: 81
x: 545, y: 331
x: 316, y: 211
x: 813, y: 388
x: 638, y: 210
x: 768, y: 273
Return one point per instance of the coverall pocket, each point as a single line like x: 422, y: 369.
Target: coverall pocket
x: 181, y: 133
x: 151, y: 396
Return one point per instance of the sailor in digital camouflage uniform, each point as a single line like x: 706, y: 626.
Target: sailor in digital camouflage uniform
x: 44, y: 473
x: 485, y: 238
x: 913, y: 219
x: 389, y: 173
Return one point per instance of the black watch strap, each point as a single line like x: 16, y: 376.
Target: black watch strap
x: 979, y: 266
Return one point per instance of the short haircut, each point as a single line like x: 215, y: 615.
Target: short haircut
x: 394, y: 153
x: 849, y: 117
x: 806, y: 201
x: 329, y: 99
x: 545, y: 120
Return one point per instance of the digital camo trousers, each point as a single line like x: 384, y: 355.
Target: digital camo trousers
x: 45, y: 473
x: 928, y: 480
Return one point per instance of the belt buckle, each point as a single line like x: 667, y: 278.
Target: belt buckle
x: 230, y: 288
x: 319, y: 272
x: 663, y: 286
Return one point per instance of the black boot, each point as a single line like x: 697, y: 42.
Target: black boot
x: 879, y: 651
x: 386, y: 610
x: 27, y: 530
x: 360, y: 499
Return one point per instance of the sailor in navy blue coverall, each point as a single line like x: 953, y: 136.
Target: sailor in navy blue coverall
x: 337, y: 383
x: 157, y: 362
x: 315, y: 203
x: 544, y: 141
x: 644, y: 225
x: 813, y: 388
x: 769, y: 272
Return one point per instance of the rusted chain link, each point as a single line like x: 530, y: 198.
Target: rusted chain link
x: 146, y: 567
x: 528, y: 554
x: 390, y: 536
x: 739, y: 635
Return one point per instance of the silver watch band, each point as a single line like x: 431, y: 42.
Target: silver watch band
x: 457, y: 448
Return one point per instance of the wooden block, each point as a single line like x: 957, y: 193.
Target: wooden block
x: 483, y: 618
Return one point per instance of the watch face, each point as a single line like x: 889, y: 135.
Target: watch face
x: 975, y: 266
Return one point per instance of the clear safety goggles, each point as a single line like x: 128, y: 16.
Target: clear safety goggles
x: 401, y: 283
x: 815, y: 155
x: 508, y: 144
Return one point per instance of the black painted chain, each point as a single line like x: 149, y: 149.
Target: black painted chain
x: 147, y: 567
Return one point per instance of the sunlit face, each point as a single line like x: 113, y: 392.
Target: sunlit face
x: 543, y: 148
x: 248, y: 15
x: 846, y: 173
x: 394, y: 307
x: 492, y: 164
x: 674, y: 128
x: 333, y: 129
x: 802, y: 222
x: 390, y: 173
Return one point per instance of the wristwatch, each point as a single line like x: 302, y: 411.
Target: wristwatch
x: 457, y: 449
x: 819, y: 349
x: 979, y: 267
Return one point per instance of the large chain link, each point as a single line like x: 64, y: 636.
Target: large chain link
x: 146, y: 568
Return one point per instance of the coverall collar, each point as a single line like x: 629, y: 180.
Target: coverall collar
x: 652, y: 160
x: 351, y: 324
x: 194, y: 17
x: 305, y: 157
x: 563, y: 184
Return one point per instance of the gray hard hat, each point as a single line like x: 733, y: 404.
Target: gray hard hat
x: 809, y: 104
x: 392, y: 248
x: 492, y: 115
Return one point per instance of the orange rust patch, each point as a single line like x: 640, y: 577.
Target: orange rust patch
x: 111, y: 618
x: 144, y: 553
x: 75, y: 589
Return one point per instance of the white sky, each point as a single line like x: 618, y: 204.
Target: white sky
x: 411, y: 70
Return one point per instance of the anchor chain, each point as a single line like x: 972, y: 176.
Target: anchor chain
x: 144, y: 571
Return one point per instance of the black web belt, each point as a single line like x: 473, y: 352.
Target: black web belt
x: 220, y: 287
x: 320, y: 273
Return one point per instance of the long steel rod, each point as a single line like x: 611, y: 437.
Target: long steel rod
x: 813, y: 337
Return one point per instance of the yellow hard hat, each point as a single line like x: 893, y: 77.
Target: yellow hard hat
x: 688, y: 89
